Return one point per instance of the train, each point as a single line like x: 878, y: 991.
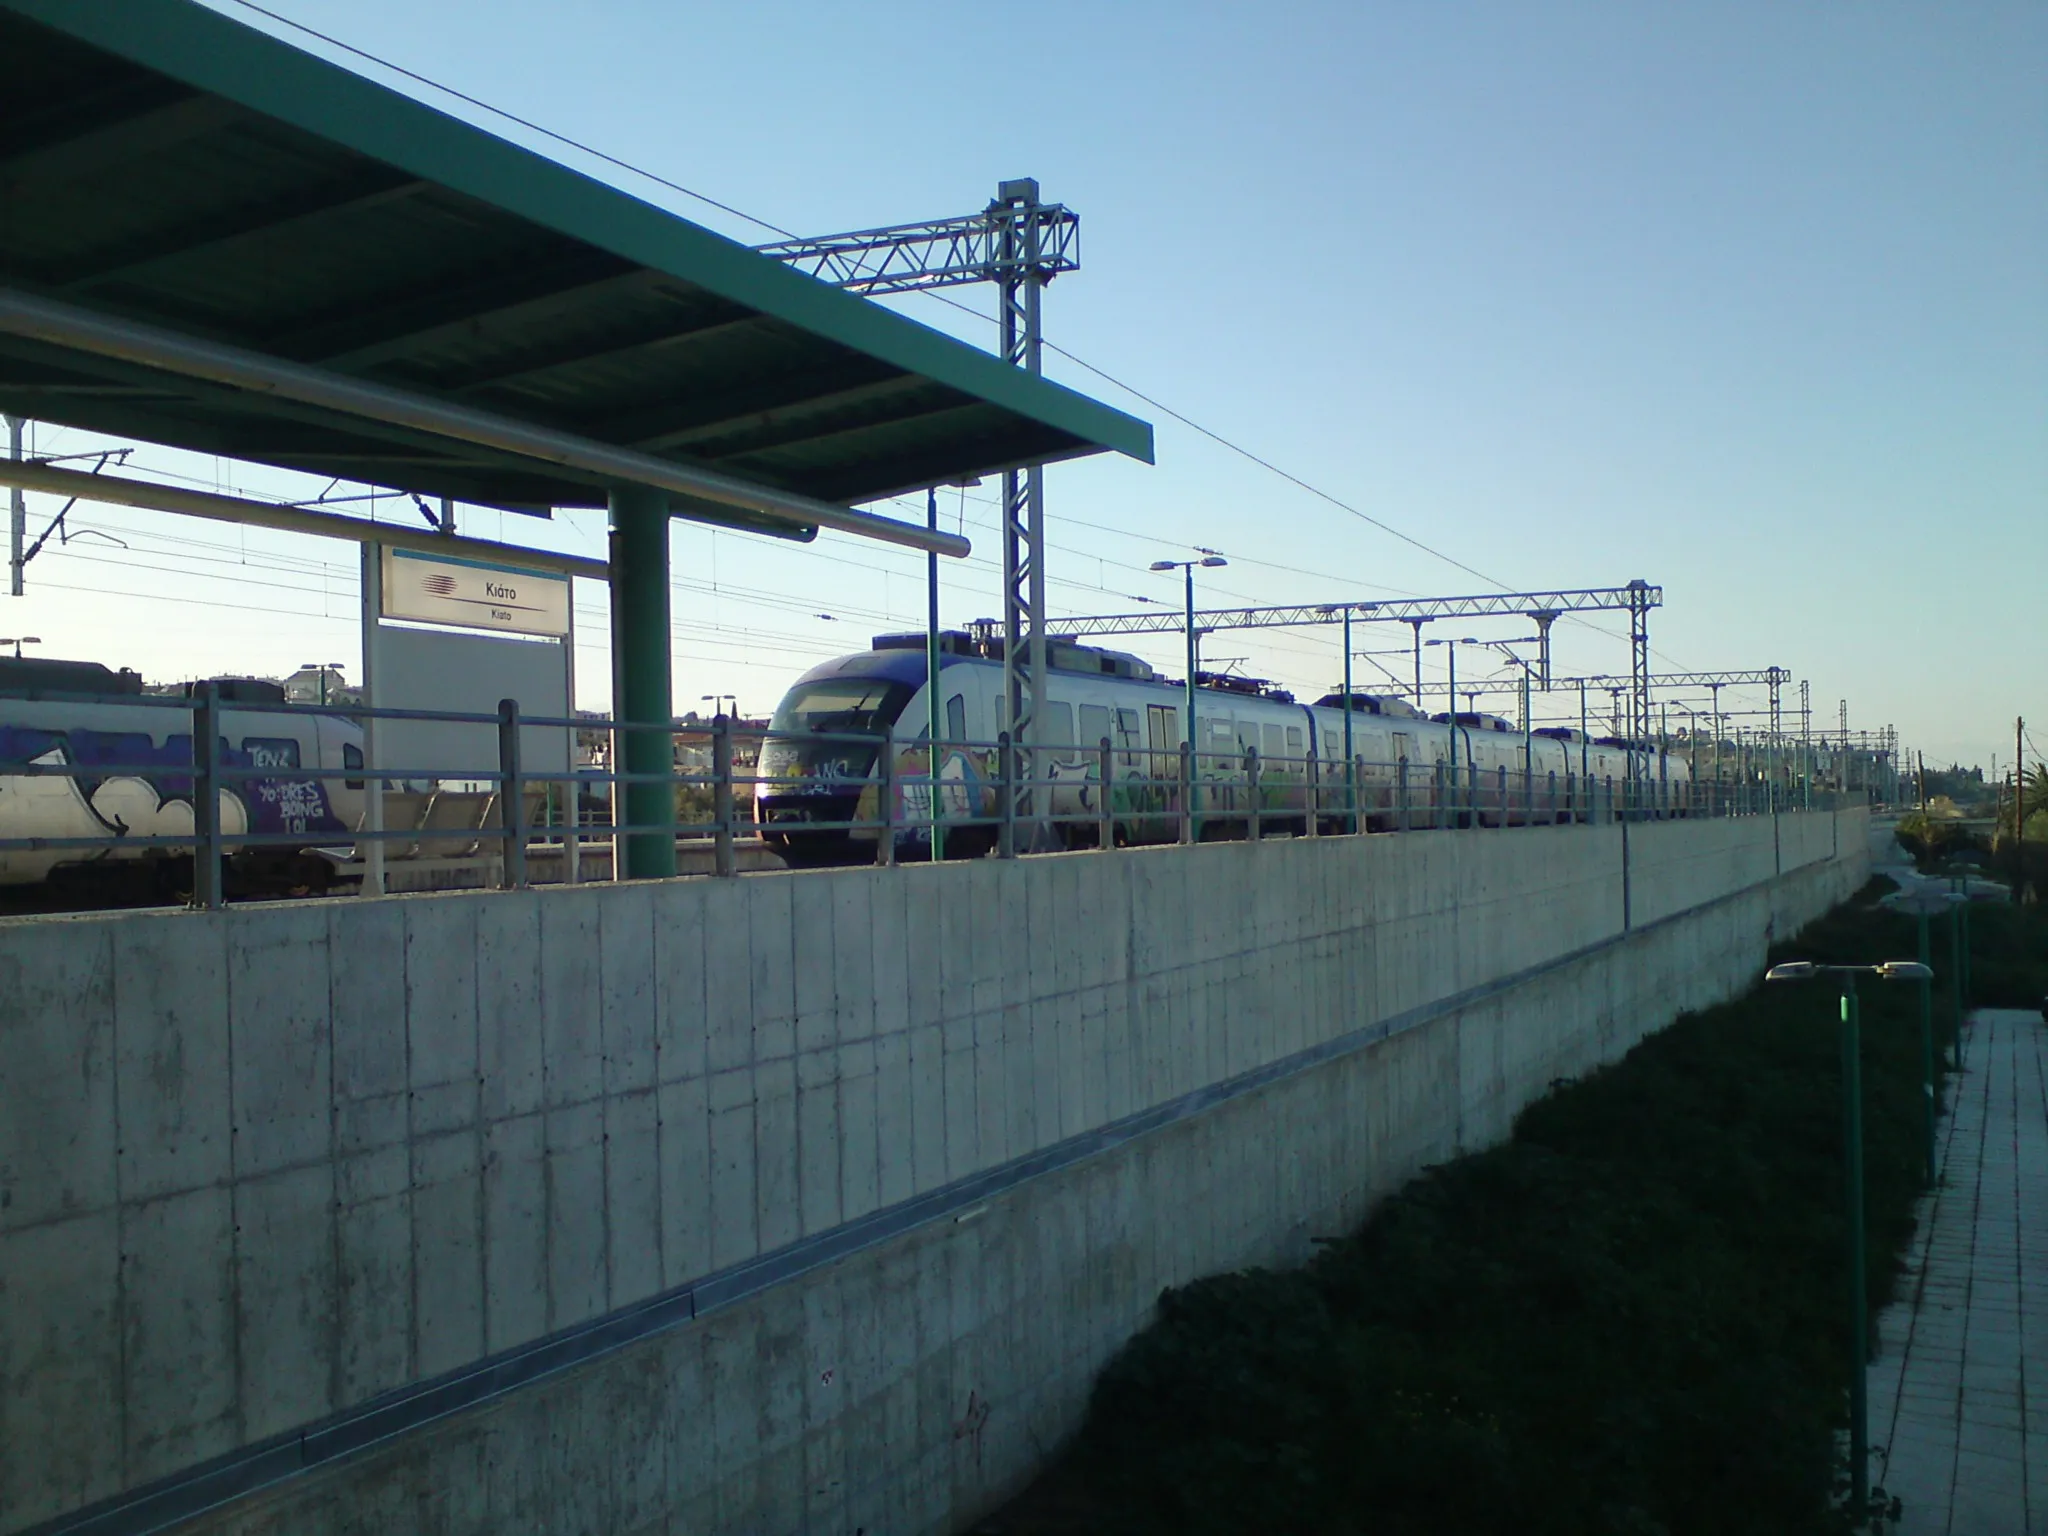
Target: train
x: 132, y: 752
x: 817, y: 778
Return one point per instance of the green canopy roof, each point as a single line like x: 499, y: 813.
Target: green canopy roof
x: 163, y: 164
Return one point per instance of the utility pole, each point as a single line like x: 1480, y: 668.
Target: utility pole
x: 17, y: 512
x: 1806, y: 742
x: 2019, y: 807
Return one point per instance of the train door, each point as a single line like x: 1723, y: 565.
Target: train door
x: 1054, y: 768
x: 1162, y: 736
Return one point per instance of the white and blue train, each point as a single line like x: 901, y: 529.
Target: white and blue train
x: 130, y: 759
x: 818, y: 779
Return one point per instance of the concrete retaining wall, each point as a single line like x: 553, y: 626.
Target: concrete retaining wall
x: 268, y: 1170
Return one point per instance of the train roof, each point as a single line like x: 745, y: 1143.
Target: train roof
x: 900, y: 658
x: 1372, y: 704
x: 89, y: 679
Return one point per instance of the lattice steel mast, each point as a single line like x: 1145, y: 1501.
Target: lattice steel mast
x: 1019, y: 244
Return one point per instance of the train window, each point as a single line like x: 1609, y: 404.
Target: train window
x: 956, y: 718
x: 1295, y: 746
x: 1127, y: 736
x: 1094, y: 726
x: 1403, y: 746
x: 1058, y: 731
x: 271, y: 751
x: 1273, y: 742
x: 352, y: 757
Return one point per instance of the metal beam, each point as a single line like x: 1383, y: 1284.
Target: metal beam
x: 65, y: 325
x: 955, y: 409
x: 690, y: 334
x: 156, y: 124
x: 785, y: 411
x: 1772, y: 677
x: 398, y: 325
x: 1526, y: 605
x: 939, y: 253
x: 224, y: 231
x: 118, y: 490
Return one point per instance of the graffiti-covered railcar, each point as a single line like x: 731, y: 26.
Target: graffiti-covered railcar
x: 128, y: 759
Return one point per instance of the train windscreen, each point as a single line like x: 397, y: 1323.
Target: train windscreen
x: 863, y: 706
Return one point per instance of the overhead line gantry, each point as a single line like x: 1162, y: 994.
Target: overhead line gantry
x: 1019, y: 244
x: 1636, y: 599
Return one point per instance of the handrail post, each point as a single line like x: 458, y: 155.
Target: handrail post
x: 1255, y: 810
x: 511, y: 798
x: 1106, y: 830
x: 1006, y: 796
x: 1354, y: 771
x: 1313, y: 777
x: 1187, y: 792
x: 723, y: 860
x: 885, y: 801
x: 207, y: 892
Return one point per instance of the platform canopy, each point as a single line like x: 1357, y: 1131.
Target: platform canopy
x: 167, y: 171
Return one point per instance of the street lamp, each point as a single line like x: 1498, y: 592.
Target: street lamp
x: 19, y: 643
x: 1852, y: 1161
x: 1453, y: 654
x: 721, y: 700
x: 1209, y: 558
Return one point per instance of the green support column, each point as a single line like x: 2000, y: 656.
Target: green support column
x: 640, y: 675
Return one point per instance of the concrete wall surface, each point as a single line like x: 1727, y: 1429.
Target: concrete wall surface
x: 264, y: 1172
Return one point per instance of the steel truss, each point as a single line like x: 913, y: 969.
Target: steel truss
x: 1019, y: 244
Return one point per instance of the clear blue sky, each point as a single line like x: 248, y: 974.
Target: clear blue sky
x: 1746, y: 299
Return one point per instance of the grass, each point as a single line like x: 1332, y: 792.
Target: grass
x: 1628, y: 1318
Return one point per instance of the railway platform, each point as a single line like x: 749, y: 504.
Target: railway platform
x: 1959, y: 1388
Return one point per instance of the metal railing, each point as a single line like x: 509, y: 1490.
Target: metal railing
x: 979, y: 797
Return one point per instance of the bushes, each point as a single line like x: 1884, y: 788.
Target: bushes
x: 2008, y: 953
x: 1627, y: 1319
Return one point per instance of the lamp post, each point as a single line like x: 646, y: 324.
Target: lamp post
x: 1453, y: 722
x: 1852, y: 1165
x: 18, y: 643
x: 1923, y: 906
x: 1207, y: 557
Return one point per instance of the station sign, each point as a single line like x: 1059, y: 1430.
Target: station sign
x: 476, y: 594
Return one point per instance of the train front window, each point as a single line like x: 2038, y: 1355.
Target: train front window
x: 842, y: 705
